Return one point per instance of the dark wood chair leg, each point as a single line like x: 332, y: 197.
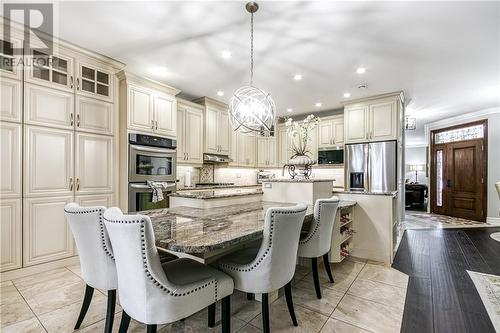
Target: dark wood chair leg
x: 250, y: 296
x: 316, y: 277
x: 89, y: 291
x: 124, y: 323
x: 265, y: 313
x: 211, y: 315
x: 151, y: 328
x: 226, y: 314
x: 326, y: 261
x: 110, y: 311
x: 289, y: 302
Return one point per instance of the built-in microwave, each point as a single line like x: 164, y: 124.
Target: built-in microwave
x: 331, y: 156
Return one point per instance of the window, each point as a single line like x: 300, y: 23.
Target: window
x: 460, y: 134
x: 439, y: 178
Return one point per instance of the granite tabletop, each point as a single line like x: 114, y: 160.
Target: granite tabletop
x: 297, y: 180
x: 388, y: 193
x: 200, y: 231
x: 217, y: 193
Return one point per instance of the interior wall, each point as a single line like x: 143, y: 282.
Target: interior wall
x: 416, y: 155
x: 493, y: 116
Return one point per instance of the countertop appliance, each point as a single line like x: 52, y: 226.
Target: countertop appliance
x: 151, y: 158
x: 371, y: 167
x: 214, y: 159
x: 263, y: 176
x: 331, y: 156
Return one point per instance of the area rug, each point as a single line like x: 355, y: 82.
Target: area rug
x: 496, y: 236
x: 488, y: 287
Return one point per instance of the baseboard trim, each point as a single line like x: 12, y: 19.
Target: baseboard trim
x: 493, y: 220
x: 25, y: 271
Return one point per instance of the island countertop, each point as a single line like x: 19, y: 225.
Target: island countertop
x: 297, y: 180
x: 201, y: 231
x: 217, y: 193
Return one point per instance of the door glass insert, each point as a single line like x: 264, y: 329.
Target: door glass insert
x: 88, y: 86
x: 152, y: 165
x: 88, y: 73
x: 95, y: 82
x: 439, y: 178
x: 102, y: 77
x: 7, y: 56
x: 460, y: 134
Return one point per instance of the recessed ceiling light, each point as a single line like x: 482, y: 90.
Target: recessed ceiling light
x: 318, y: 105
x: 347, y: 95
x: 289, y: 110
x: 297, y: 77
x: 361, y: 70
x: 220, y: 93
x: 226, y: 54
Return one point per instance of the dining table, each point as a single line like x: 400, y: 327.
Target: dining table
x: 210, y: 233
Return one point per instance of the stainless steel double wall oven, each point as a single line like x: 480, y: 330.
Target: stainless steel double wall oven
x: 151, y: 158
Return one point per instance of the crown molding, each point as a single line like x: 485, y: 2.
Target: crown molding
x: 208, y: 101
x: 130, y: 77
x: 185, y: 102
x: 399, y: 94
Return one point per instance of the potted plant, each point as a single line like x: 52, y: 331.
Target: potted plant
x: 300, y: 133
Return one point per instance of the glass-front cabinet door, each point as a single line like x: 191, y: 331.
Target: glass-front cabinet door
x: 54, y: 70
x: 10, y: 60
x: 94, y: 82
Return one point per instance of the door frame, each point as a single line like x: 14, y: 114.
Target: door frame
x: 432, y: 196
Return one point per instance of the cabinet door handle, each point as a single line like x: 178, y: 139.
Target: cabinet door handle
x: 71, y: 118
x: 71, y: 82
x: 78, y: 184
x: 78, y: 120
x: 152, y: 124
x: 156, y: 124
x: 187, y: 156
x: 71, y: 184
x: 77, y: 83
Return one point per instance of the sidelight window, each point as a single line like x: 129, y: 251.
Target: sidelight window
x: 439, y: 178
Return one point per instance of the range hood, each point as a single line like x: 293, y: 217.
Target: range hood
x: 214, y: 158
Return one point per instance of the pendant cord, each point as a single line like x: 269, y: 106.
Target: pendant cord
x: 251, y: 49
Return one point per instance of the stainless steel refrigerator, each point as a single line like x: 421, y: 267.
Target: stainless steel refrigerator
x: 371, y: 167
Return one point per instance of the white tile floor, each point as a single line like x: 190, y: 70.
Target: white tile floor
x: 366, y: 297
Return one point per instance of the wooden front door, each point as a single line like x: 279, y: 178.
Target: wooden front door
x: 459, y: 179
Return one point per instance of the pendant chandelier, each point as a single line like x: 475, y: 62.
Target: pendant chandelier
x: 251, y: 109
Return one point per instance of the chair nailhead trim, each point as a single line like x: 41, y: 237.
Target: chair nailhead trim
x: 318, y: 223
x: 269, y: 245
x: 101, y: 226
x: 146, y: 267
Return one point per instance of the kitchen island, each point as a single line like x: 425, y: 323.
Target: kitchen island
x: 297, y: 190
x: 217, y: 197
x: 210, y: 233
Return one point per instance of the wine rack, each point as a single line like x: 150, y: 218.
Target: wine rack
x: 343, y: 234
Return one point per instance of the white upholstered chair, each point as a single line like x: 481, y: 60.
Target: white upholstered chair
x: 317, y: 242
x: 155, y: 293
x: 96, y: 257
x: 272, y: 265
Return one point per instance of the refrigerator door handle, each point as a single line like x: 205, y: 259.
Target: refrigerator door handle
x: 367, y: 172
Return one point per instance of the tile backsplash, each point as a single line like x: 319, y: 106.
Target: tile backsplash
x: 185, y: 171
x: 238, y: 176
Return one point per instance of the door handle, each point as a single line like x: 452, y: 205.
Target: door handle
x: 152, y: 124
x: 71, y: 118
x: 77, y: 83
x: 78, y: 120
x: 78, y: 184
x: 71, y: 184
x: 156, y: 124
x: 448, y: 183
x: 187, y: 156
x: 71, y: 80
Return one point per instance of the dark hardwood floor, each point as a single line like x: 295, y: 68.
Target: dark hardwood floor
x: 441, y: 297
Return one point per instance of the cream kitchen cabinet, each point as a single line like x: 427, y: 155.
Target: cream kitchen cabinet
x: 247, y: 150
x: 371, y: 121
x: 150, y: 107
x: 94, y: 81
x: 93, y: 164
x: 10, y: 160
x: 267, y: 152
x: 48, y: 162
x: 284, y: 145
x: 10, y: 100
x: 189, y: 133
x: 11, y: 63
x: 54, y: 71
x: 330, y: 132
x: 45, y: 106
x: 233, y: 148
x: 46, y: 233
x: 94, y: 116
x: 217, y: 128
x: 165, y: 115
x: 105, y: 200
x: 383, y: 120
x: 10, y: 234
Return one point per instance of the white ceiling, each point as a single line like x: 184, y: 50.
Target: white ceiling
x: 444, y: 55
